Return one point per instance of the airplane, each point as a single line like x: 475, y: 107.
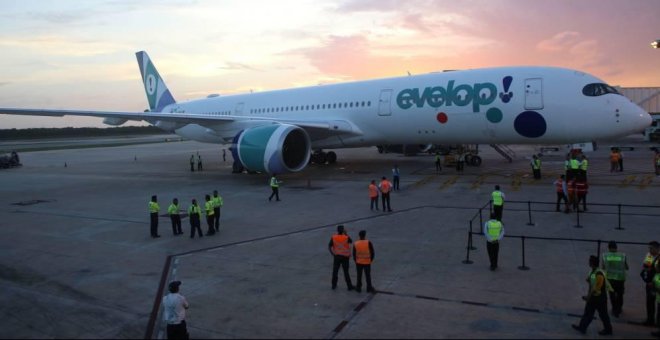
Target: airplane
x: 277, y: 131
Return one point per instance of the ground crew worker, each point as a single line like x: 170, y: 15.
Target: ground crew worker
x: 195, y: 215
x: 154, y: 208
x: 584, y: 166
x: 614, y: 160
x: 438, y: 163
x: 199, y: 162
x: 224, y: 155
x: 536, y: 167
x: 581, y: 189
x: 217, y: 204
x: 173, y: 210
x: 570, y: 186
x: 460, y: 162
x: 363, y: 254
x: 275, y: 187
x: 567, y: 166
x: 373, y: 194
x: 618, y: 151
x: 615, y: 265
x: 574, y: 167
x: 656, y: 288
x: 208, y: 208
x: 174, y: 312
x: 596, y: 299
x: 657, y: 162
x: 647, y: 274
x: 562, y: 191
x: 498, y: 202
x: 340, y: 248
x: 395, y: 177
x: 494, y: 231
x: 385, y: 188
x: 192, y: 163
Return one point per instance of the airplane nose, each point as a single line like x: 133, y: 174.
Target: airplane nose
x: 645, y: 119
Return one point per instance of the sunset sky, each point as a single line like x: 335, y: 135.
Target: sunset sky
x: 81, y: 54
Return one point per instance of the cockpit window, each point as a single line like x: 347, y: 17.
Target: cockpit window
x: 598, y: 89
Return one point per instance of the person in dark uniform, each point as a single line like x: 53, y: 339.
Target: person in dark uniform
x: 340, y: 249
x: 224, y: 155
x: 154, y: 208
x: 596, y: 300
x: 195, y: 215
x: 199, y: 162
x: 363, y: 255
x: 192, y: 163
x: 173, y: 210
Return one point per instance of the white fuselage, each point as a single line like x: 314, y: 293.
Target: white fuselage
x: 545, y: 105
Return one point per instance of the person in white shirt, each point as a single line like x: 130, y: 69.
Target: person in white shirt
x: 175, y: 306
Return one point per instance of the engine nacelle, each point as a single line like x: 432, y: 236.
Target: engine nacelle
x: 276, y: 148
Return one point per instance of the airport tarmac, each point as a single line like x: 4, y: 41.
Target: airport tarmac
x: 78, y: 262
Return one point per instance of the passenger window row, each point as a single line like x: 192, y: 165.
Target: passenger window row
x: 312, y: 107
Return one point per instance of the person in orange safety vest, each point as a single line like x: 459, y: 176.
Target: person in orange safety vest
x: 363, y: 254
x: 385, y: 187
x: 373, y: 194
x: 340, y: 248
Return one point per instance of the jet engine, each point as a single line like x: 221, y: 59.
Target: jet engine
x: 275, y: 149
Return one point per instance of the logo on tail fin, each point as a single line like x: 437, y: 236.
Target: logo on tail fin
x: 158, y: 94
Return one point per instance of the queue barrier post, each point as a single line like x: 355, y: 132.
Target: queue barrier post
x: 467, y: 256
x: 577, y: 211
x: 523, y: 267
x: 529, y: 213
x: 619, y: 213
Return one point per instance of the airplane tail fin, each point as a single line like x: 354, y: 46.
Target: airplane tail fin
x: 158, y: 94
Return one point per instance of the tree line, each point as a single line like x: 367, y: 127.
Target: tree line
x: 67, y: 132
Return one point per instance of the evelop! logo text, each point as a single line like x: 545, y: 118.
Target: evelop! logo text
x: 461, y: 95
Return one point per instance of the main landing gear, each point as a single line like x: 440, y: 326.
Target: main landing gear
x: 320, y: 157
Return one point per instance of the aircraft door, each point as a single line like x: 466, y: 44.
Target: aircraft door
x: 239, y: 109
x: 384, y: 103
x: 533, y: 94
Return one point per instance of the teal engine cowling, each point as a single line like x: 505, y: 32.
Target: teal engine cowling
x: 275, y: 149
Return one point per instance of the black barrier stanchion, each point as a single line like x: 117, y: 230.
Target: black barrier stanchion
x: 467, y: 257
x: 619, y: 227
x: 472, y: 247
x: 529, y: 212
x: 577, y: 211
x: 481, y: 220
x: 523, y: 267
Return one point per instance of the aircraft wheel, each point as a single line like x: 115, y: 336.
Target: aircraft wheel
x: 331, y: 157
x: 475, y: 161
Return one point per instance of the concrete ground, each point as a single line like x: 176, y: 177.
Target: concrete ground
x: 77, y: 261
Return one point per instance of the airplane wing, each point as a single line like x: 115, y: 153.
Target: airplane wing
x: 331, y: 126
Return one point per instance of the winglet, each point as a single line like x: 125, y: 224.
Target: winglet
x: 158, y: 94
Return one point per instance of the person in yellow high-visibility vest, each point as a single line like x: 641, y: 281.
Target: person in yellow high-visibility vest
x: 208, y: 208
x: 154, y: 208
x: 175, y: 217
x: 363, y: 255
x: 494, y: 231
x: 615, y: 265
x: 217, y: 204
x: 596, y: 299
x: 275, y: 187
x: 498, y: 202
